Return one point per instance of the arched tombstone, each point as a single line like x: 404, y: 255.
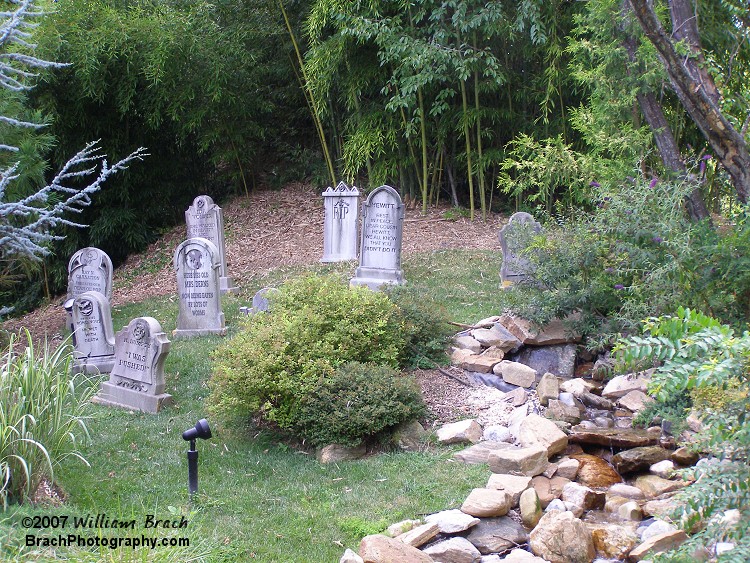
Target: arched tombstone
x: 205, y: 219
x: 93, y: 335
x: 137, y: 379
x: 514, y: 238
x: 89, y: 269
x: 382, y: 232
x: 261, y: 301
x: 196, y: 262
x: 341, y: 224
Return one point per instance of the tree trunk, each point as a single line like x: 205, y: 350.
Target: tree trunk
x: 696, y: 89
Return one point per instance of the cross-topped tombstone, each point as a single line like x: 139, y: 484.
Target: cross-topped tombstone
x: 137, y: 378
x: 340, y: 228
x: 196, y: 262
x: 93, y: 335
x: 89, y: 269
x: 205, y: 219
x: 514, y: 238
x: 382, y: 231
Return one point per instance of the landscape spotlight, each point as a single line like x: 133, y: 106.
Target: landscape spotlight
x: 203, y: 431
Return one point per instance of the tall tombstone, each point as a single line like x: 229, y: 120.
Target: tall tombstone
x: 89, y: 269
x: 514, y: 238
x: 196, y: 262
x: 205, y: 219
x: 93, y: 335
x: 137, y: 379
x: 382, y: 232
x: 340, y: 228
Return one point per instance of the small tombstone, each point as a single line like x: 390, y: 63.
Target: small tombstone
x: 382, y: 231
x: 196, y: 262
x: 514, y: 238
x: 340, y: 228
x: 89, y: 269
x: 261, y: 301
x: 137, y: 378
x: 205, y: 219
x: 93, y: 335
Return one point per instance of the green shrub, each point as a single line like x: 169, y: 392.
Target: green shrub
x: 360, y: 401
x: 315, y: 324
x: 42, y: 416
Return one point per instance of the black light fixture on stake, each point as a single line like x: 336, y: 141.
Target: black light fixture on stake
x: 203, y: 431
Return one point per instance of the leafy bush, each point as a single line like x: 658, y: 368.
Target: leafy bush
x: 315, y: 324
x: 697, y: 353
x: 42, y: 416
x: 358, y: 402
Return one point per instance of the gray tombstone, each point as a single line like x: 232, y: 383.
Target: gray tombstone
x: 89, y: 269
x: 205, y: 219
x: 340, y: 228
x: 382, y: 232
x: 514, y: 238
x: 93, y: 335
x: 137, y: 378
x: 196, y: 262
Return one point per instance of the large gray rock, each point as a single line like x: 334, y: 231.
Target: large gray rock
x: 467, y: 342
x: 558, y: 410
x: 382, y: 549
x: 480, y: 453
x: 539, y: 431
x: 558, y: 360
x: 638, y: 459
x: 462, y: 431
x: 498, y: 336
x: 560, y: 537
x: 452, y: 521
x: 493, y: 535
x: 410, y: 436
x: 515, y: 373
x: 484, y: 503
x: 454, y: 550
x: 334, y: 453
x: 612, y: 437
x: 519, y: 461
x: 621, y: 385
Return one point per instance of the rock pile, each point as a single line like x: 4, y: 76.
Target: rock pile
x: 571, y: 480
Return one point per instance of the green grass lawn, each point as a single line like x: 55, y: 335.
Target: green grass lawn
x: 259, y: 499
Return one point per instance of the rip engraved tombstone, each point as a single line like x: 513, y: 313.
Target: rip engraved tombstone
x: 196, y: 262
x: 205, y: 219
x: 89, y: 269
x: 93, y: 335
x: 382, y: 232
x: 137, y: 378
x: 514, y: 238
x: 340, y: 227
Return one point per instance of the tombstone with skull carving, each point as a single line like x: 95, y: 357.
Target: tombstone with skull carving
x: 93, y: 335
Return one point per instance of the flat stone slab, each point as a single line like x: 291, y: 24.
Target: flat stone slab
x: 479, y: 453
x: 493, y: 535
x: 612, y: 437
x: 452, y: 521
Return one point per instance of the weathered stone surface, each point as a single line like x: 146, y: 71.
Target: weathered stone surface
x: 637, y: 459
x: 419, y: 535
x: 341, y: 223
x: 459, y: 356
x: 576, y: 386
x: 558, y: 360
x: 657, y: 544
x: 521, y: 556
x: 402, y: 527
x: 497, y: 433
x: 492, y: 535
x: 515, y: 373
x: 582, y: 496
x: 663, y: 469
x: 614, y: 503
x: 653, y: 486
x: 685, y: 456
x: 613, y: 437
x: 484, y: 362
x: 480, y: 453
x: 467, y: 342
x: 452, y: 521
x: 498, y: 336
x: 634, y: 401
x: 657, y: 528
x: 350, y: 557
x: 516, y: 397
x: 613, y: 541
x: 530, y: 507
x: 627, y: 491
x: 595, y: 401
x: 661, y: 508
x: 595, y: 472
x: 463, y: 431
x: 548, y: 489
x: 559, y: 537
x: 539, y: 431
x: 454, y: 550
x: 547, y: 388
x: 382, y: 549
x: 631, y: 510
x: 333, y: 453
x: 514, y: 485
x: 410, y: 436
x: 557, y: 410
x: 567, y: 468
x: 519, y: 461
x: 484, y: 503
x: 621, y: 385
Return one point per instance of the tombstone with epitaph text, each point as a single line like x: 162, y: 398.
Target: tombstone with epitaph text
x: 93, y: 335
x: 382, y: 231
x: 89, y: 269
x: 341, y: 224
x: 196, y: 262
x: 514, y: 238
x: 137, y: 378
x: 205, y: 219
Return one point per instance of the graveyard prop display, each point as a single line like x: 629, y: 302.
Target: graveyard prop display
x: 514, y: 238
x: 205, y: 219
x: 196, y: 262
x: 137, y: 378
x: 203, y: 431
x: 382, y: 231
x: 93, y: 335
x: 89, y: 269
x: 340, y: 228
x: 261, y: 301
